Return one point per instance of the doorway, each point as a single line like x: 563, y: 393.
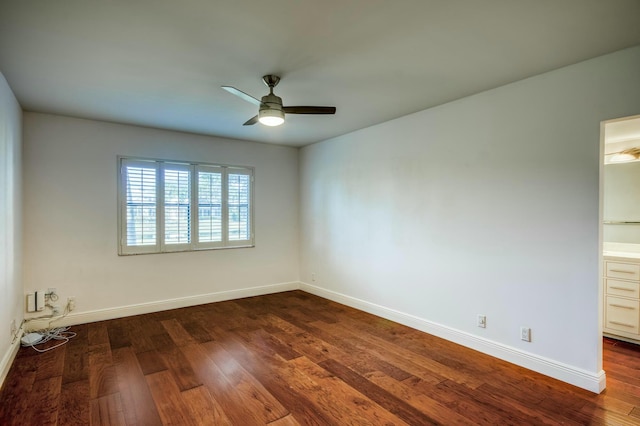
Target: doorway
x: 620, y: 229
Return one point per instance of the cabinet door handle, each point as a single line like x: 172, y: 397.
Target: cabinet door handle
x: 621, y: 306
x: 621, y: 271
x: 621, y: 288
x: 622, y: 323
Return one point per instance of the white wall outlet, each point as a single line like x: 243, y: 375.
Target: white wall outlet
x: 525, y: 334
x: 482, y: 321
x: 71, y: 303
x: 12, y: 327
x: 313, y: 276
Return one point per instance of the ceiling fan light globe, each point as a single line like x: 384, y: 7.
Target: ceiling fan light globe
x: 271, y: 117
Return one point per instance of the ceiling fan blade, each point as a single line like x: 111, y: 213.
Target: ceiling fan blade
x: 251, y: 121
x: 309, y: 110
x: 239, y: 93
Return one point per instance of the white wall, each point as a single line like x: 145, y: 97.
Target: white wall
x: 487, y: 205
x: 70, y: 215
x: 10, y: 222
x: 622, y: 202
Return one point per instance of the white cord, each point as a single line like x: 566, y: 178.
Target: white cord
x: 59, y: 317
x: 52, y: 318
x: 60, y: 333
x: 16, y: 334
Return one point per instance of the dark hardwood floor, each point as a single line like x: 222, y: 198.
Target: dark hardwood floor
x: 293, y: 358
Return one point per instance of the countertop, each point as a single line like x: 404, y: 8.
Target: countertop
x: 620, y: 255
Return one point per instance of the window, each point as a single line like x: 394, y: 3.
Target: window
x: 167, y: 206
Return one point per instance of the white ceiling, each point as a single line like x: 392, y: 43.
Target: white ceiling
x: 161, y: 63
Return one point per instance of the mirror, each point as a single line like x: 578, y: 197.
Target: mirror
x: 621, y: 203
x: 621, y: 181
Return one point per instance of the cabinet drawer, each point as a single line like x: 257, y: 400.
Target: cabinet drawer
x: 626, y: 271
x: 622, y: 314
x: 623, y: 288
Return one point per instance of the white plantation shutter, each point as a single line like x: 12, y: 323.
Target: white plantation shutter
x: 210, y: 205
x: 177, y: 204
x: 167, y: 206
x: 140, y: 206
x: 239, y: 204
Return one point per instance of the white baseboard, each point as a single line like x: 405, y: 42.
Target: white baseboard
x: 162, y: 305
x: 9, y: 356
x: 566, y: 373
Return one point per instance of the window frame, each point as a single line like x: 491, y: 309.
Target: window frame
x: 160, y: 165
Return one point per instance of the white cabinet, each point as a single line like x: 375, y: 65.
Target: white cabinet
x: 622, y: 298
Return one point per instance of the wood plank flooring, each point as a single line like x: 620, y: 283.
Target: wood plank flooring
x: 294, y: 359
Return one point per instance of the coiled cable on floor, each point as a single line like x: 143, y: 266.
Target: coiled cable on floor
x: 60, y: 333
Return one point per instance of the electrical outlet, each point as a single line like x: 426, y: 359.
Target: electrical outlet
x: 313, y: 276
x: 52, y: 290
x: 13, y: 328
x: 482, y: 321
x: 525, y: 334
x: 71, y: 303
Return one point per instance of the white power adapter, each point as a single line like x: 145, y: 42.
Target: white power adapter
x: 31, y: 339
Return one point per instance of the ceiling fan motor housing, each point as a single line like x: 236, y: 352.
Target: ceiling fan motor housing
x: 271, y: 112
x: 271, y: 101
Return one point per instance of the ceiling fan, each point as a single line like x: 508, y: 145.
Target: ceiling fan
x: 271, y: 112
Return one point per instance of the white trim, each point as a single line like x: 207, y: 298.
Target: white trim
x: 161, y: 305
x: 594, y: 382
x: 9, y: 356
